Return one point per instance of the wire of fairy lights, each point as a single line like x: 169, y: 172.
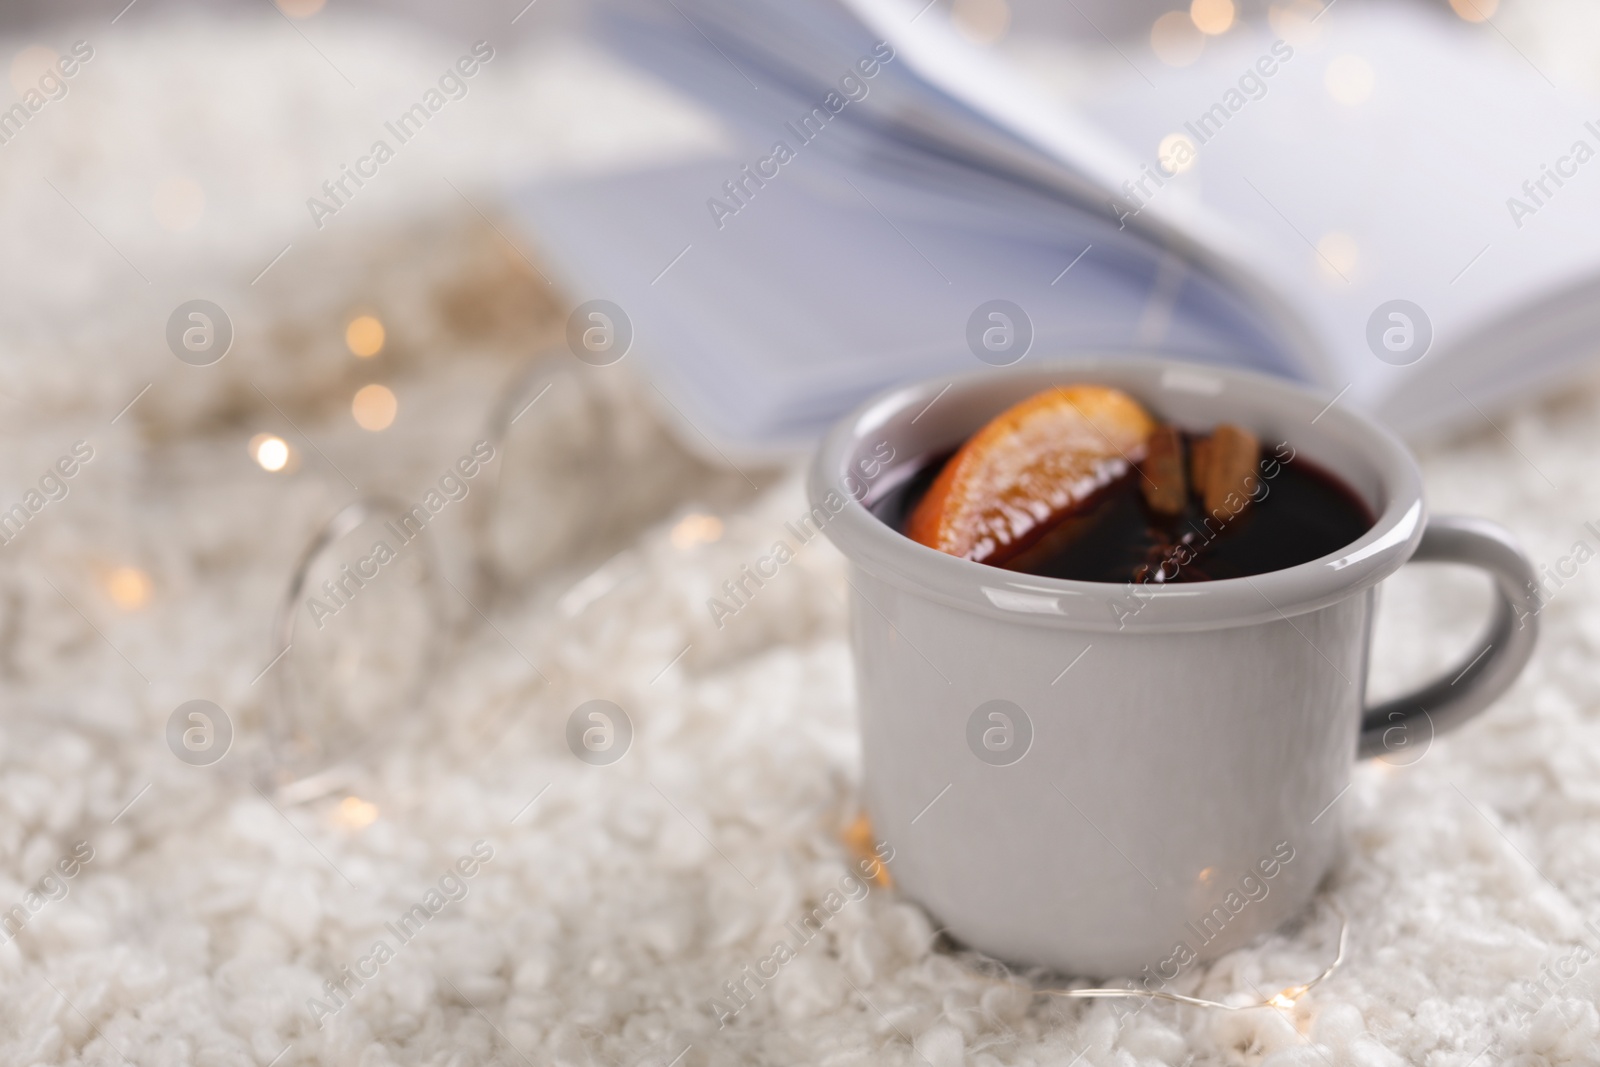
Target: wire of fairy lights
x: 1283, y: 999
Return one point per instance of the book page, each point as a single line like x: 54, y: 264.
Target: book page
x: 1426, y: 195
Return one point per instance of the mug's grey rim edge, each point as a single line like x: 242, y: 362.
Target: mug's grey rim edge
x: 890, y: 556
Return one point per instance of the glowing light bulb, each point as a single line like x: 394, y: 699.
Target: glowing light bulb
x: 364, y: 336
x: 858, y: 839
x: 270, y: 451
x: 128, y: 587
x: 1175, y: 153
x: 374, y: 407
x: 1212, y: 16
x: 694, y: 530
x: 1475, y: 10
x: 1337, y: 255
x: 1287, y: 998
x: 353, y: 813
x: 981, y: 21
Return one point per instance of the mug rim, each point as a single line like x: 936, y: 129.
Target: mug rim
x: 1066, y: 603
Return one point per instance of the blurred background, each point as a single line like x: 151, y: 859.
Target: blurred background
x: 371, y: 348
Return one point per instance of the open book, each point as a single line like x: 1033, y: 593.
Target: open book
x: 1392, y: 206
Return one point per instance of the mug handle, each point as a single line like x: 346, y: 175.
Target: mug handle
x: 1498, y: 657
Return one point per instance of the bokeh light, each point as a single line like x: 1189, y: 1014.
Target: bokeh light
x: 859, y: 841
x: 694, y: 530
x: 1175, y: 153
x: 1475, y: 10
x: 270, y: 451
x: 128, y: 587
x: 353, y: 813
x: 1338, y: 255
x: 364, y: 336
x: 1212, y: 16
x: 300, y: 9
x: 981, y: 21
x: 1176, y: 40
x: 374, y: 407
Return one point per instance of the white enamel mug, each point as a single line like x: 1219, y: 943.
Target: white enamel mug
x: 1115, y: 780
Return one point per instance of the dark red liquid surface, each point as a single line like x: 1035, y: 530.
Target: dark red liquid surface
x: 1300, y: 513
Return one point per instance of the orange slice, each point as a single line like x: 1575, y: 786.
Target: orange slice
x: 1027, y: 468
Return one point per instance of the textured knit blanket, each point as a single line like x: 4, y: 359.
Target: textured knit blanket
x: 472, y: 888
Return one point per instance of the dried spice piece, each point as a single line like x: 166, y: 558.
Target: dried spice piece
x: 1225, y: 476
x: 1027, y: 468
x: 1165, y: 489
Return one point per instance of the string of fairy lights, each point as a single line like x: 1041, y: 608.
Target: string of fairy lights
x: 373, y: 407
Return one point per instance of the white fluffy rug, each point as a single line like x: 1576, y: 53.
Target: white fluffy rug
x: 201, y: 922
